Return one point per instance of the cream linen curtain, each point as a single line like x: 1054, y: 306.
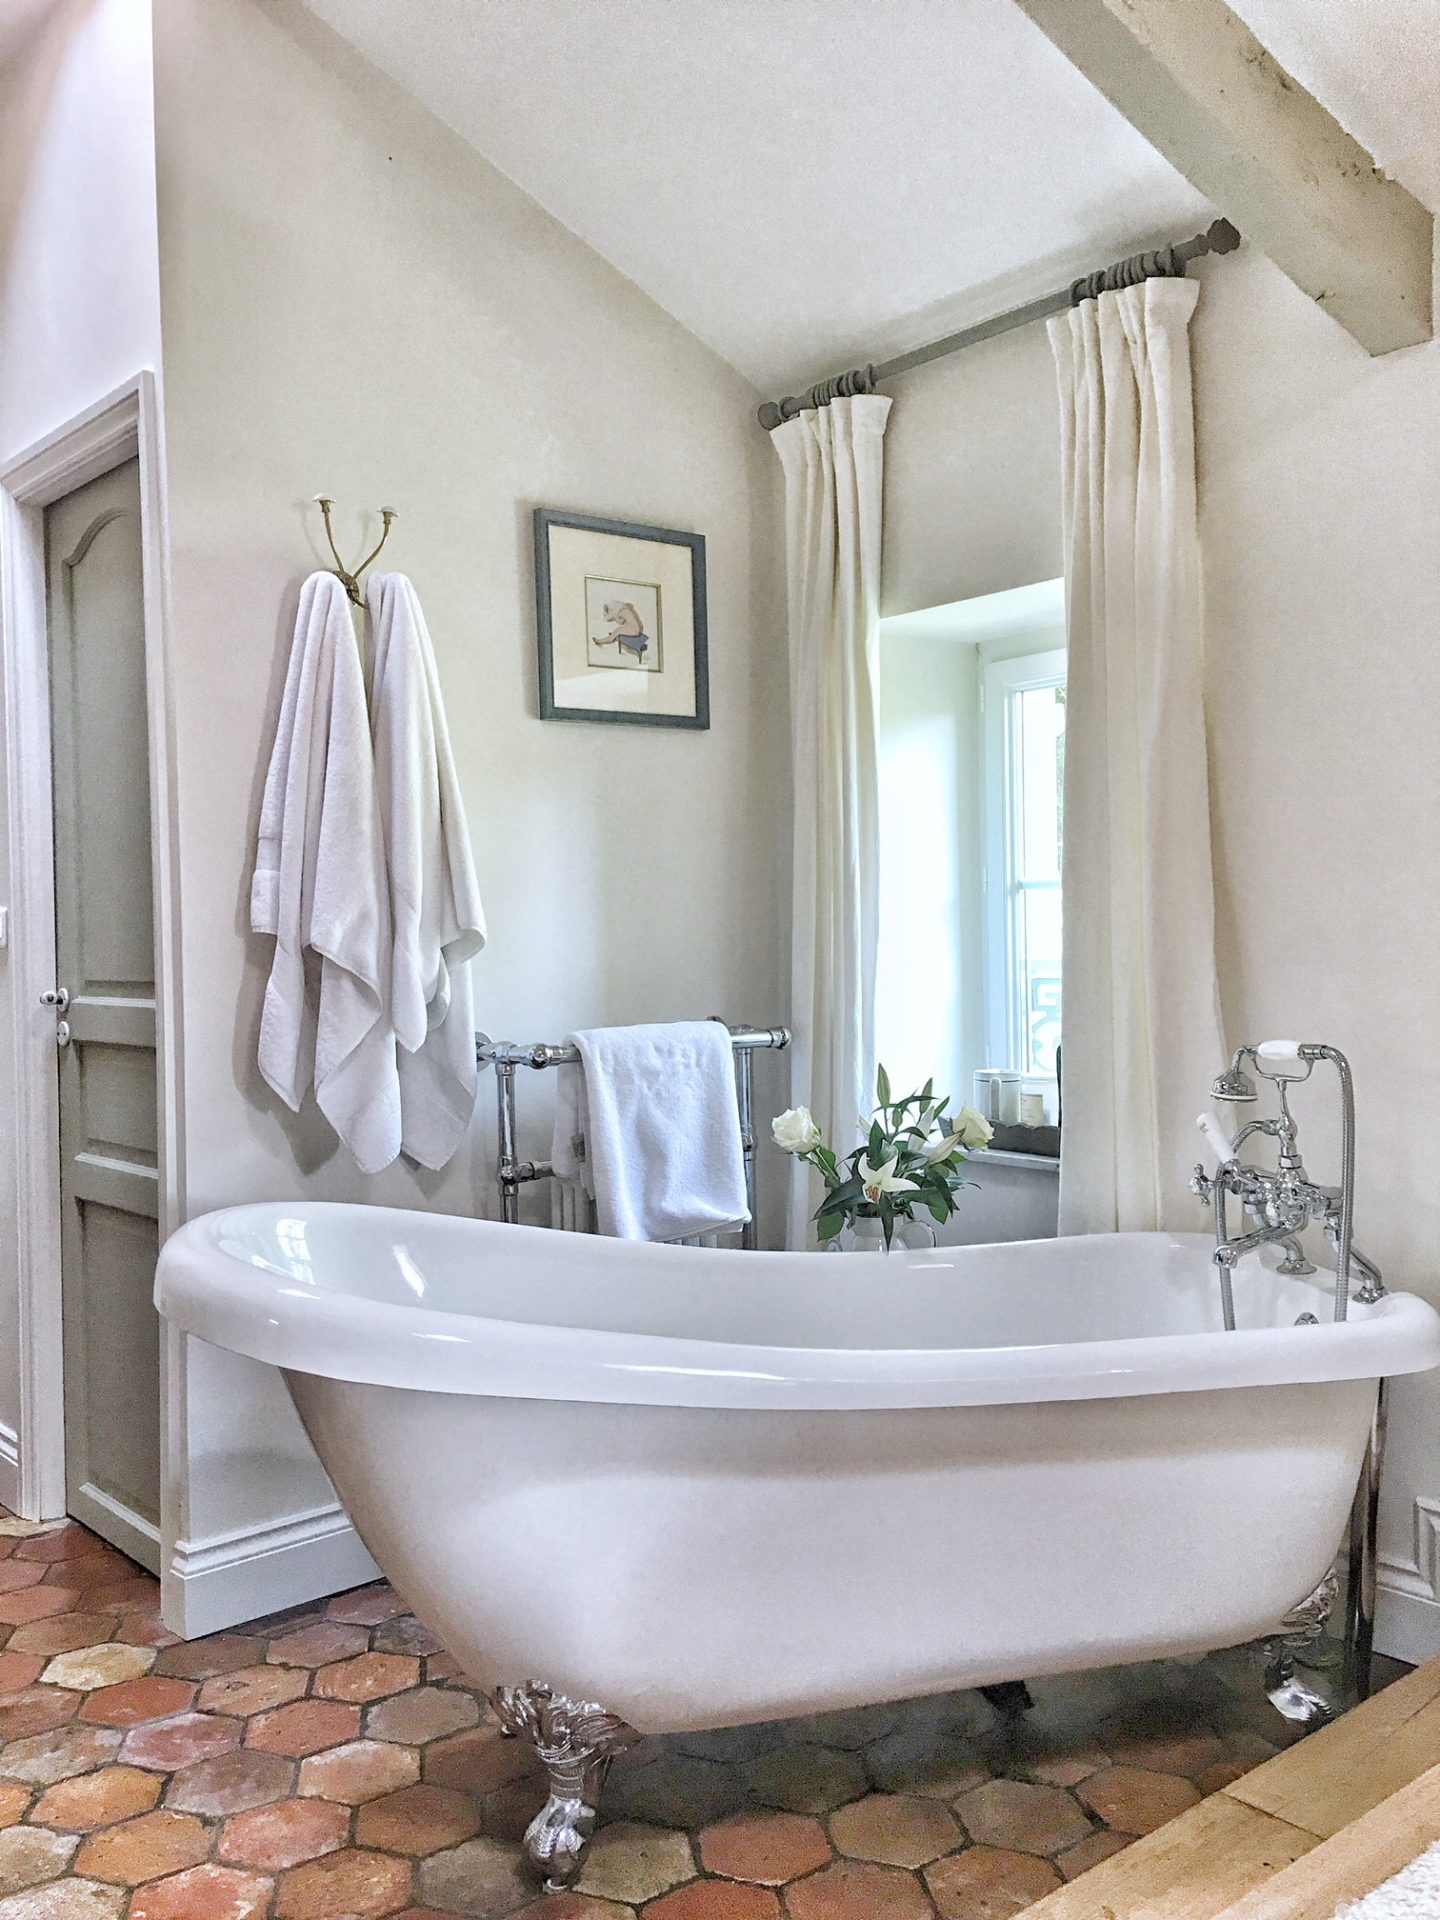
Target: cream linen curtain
x: 833, y: 460
x: 1142, y: 1029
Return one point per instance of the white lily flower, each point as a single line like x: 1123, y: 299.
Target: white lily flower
x: 795, y: 1130
x: 882, y: 1179
x: 947, y: 1143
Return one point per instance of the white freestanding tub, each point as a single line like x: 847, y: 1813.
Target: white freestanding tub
x: 705, y: 1487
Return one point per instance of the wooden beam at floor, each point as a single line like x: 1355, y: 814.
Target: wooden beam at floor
x: 1203, y: 90
x: 1347, y: 1768
x: 1192, y: 1868
x: 1352, y: 1861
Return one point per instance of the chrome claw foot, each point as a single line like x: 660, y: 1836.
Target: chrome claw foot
x: 576, y: 1741
x: 1299, y: 1631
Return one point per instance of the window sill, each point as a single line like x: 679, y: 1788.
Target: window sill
x: 1032, y: 1162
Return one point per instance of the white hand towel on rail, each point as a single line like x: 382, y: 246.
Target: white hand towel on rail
x: 438, y: 921
x: 319, y: 887
x: 662, y: 1133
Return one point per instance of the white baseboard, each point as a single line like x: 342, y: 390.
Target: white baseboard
x: 1407, y: 1624
x: 9, y: 1468
x: 235, y: 1577
x: 1407, y: 1605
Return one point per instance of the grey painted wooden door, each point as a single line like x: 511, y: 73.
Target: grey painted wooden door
x: 105, y: 950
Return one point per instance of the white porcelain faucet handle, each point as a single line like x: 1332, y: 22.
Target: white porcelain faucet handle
x: 1216, y: 1138
x: 1280, y: 1053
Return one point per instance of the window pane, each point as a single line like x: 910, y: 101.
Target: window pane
x: 1038, y: 722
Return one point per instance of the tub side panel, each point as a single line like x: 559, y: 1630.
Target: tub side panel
x: 702, y: 1567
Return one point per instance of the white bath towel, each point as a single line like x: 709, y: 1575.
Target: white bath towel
x: 437, y: 919
x: 319, y: 887
x: 662, y: 1153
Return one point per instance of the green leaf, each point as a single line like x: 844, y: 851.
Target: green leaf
x: 875, y: 1143
x: 827, y: 1225
x: 882, y: 1087
x: 941, y: 1206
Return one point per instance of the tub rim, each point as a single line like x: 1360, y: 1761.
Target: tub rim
x: 256, y: 1311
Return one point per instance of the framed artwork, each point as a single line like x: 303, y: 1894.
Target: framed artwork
x: 621, y: 612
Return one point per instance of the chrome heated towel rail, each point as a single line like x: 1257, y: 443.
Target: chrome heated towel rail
x: 512, y: 1173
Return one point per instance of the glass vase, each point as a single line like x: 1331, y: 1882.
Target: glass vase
x: 866, y: 1234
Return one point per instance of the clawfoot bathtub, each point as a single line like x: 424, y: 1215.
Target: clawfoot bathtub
x: 642, y: 1489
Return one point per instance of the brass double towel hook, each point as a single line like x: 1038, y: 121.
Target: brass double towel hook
x: 349, y: 579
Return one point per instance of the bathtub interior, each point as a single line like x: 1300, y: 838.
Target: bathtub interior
x: 1060, y: 1291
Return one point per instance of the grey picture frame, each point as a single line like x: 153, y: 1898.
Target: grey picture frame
x: 547, y: 517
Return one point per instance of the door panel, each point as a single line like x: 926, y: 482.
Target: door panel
x: 106, y: 962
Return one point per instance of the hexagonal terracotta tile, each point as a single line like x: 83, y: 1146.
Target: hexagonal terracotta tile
x: 19, y: 1670
x: 767, y: 1846
x: 14, y: 1575
x: 804, y: 1779
x: 715, y: 1900
x: 360, y: 1885
x: 633, y: 1863
x: 168, y: 1745
x: 482, y: 1877
x: 1022, y: 1817
x: 144, y: 1848
x: 48, y: 1757
x: 897, y: 1829
x: 421, y: 1715
x: 31, y: 1855
x: 858, y: 1890
x: 60, y: 1635
x: 359, y: 1772
x: 851, y: 1727
x: 284, y: 1834
x: 256, y: 1689
x: 86, y: 1668
x: 1133, y: 1800
x: 13, y: 1802
x: 480, y: 1761
x: 34, y: 1603
x: 986, y: 1883
x: 204, y: 1659
x: 153, y: 1698
x: 231, y: 1783
x: 204, y: 1893
x: 97, y: 1799
x: 370, y: 1676
x: 418, y: 1820
x: 678, y: 1790
x: 367, y: 1606
x: 924, y: 1759
x: 303, y: 1728
x: 35, y: 1710
x: 318, y: 1645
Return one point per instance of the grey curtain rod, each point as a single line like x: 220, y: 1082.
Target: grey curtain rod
x: 1161, y: 262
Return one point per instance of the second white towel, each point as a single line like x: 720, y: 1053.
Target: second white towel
x: 438, y: 923
x: 662, y: 1152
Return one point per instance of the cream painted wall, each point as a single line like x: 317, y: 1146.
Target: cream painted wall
x: 1320, y: 519
x: 972, y: 476
x: 356, y: 303
x: 79, y: 286
x: 79, y: 316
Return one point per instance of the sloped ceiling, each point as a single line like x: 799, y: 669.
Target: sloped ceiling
x: 801, y: 183
x: 806, y: 184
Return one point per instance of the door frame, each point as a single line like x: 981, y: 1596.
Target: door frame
x: 125, y: 425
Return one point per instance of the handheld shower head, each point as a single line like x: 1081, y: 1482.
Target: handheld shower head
x: 1234, y: 1084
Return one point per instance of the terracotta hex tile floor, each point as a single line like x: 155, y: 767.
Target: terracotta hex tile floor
x: 334, y: 1762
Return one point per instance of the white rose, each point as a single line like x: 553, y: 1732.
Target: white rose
x: 972, y: 1128
x: 795, y: 1130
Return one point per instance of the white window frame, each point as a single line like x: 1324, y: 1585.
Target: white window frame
x: 1004, y: 1034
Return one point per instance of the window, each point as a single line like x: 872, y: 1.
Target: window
x: 1024, y: 756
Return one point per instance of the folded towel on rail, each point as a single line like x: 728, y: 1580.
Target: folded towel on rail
x: 437, y: 919
x: 319, y: 888
x: 648, y: 1124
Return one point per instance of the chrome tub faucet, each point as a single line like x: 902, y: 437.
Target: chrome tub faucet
x: 1283, y: 1200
